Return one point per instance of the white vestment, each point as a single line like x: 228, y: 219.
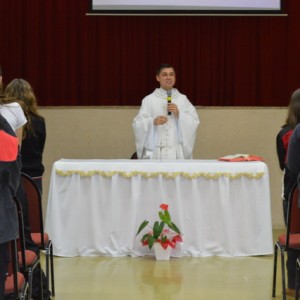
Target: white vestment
x: 173, y: 140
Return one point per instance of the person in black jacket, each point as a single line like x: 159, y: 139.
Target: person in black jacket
x: 293, y: 159
x: 283, y: 143
x: 34, y: 133
x: 293, y: 163
x: 9, y: 182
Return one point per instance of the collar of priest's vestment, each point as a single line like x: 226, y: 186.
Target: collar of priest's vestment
x: 161, y: 93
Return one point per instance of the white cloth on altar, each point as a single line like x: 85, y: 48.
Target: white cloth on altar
x: 173, y: 140
x: 96, y: 206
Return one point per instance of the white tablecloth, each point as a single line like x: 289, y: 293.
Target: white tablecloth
x: 95, y: 206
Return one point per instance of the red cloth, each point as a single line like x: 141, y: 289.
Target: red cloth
x: 8, y: 147
x: 241, y: 157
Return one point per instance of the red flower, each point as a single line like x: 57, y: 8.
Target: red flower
x: 166, y: 243
x: 177, y: 238
x: 145, y: 243
x: 164, y: 206
x: 171, y: 244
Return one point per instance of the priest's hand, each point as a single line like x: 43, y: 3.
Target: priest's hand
x: 160, y: 120
x: 172, y: 107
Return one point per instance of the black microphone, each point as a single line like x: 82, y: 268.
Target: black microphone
x: 169, y: 98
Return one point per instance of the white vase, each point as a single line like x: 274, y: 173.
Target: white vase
x: 161, y: 253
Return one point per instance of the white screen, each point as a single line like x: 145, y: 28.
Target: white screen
x: 173, y: 5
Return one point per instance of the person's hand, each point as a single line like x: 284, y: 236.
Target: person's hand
x: 160, y: 120
x: 172, y: 107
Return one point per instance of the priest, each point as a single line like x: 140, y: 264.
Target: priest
x: 167, y: 122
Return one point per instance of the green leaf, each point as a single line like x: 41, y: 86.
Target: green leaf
x: 165, y: 217
x: 161, y: 227
x: 151, y: 241
x: 161, y: 215
x: 146, y: 237
x: 142, y: 226
x: 157, y: 229
x: 174, y: 227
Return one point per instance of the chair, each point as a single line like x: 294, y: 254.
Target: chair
x: 16, y: 285
x: 36, y: 222
x: 297, y: 278
x: 289, y: 240
x: 30, y: 258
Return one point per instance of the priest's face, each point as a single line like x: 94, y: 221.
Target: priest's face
x: 166, y: 78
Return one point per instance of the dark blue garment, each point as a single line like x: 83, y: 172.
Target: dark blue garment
x: 293, y: 163
x: 9, y: 181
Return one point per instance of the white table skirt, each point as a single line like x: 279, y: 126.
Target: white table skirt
x: 95, y: 206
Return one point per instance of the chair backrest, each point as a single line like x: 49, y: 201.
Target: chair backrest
x: 21, y: 240
x: 293, y: 224
x: 34, y: 202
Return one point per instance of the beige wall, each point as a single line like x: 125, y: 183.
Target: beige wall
x: 106, y: 132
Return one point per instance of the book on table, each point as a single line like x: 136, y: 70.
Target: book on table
x: 241, y: 157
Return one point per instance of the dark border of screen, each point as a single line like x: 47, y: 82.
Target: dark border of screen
x: 164, y: 12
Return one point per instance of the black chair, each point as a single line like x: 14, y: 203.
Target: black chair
x: 289, y: 240
x: 28, y: 260
x: 16, y: 286
x: 297, y: 278
x: 36, y: 222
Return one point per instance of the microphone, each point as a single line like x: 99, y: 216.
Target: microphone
x: 169, y: 99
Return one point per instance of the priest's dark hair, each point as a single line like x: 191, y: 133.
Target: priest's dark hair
x: 163, y: 66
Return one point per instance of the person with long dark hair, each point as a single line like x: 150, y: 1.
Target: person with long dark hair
x: 33, y: 141
x: 289, y: 176
x: 282, y: 142
x: 34, y: 133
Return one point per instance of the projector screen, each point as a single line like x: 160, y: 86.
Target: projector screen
x: 186, y: 7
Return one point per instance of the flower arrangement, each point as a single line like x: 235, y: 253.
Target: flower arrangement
x: 166, y: 237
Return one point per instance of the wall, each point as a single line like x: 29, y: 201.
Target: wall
x: 106, y: 132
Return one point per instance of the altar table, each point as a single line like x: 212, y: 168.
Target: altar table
x: 96, y: 206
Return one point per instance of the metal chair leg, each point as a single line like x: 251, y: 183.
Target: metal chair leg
x: 283, y: 274
x: 297, y: 283
x: 52, y: 270
x: 275, y: 271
